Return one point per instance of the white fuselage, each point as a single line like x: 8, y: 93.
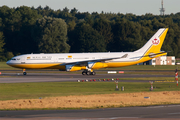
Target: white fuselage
x: 50, y: 60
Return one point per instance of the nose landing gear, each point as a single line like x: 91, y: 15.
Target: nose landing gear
x: 24, y: 72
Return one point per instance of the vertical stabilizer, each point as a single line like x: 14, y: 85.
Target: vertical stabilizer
x: 155, y: 43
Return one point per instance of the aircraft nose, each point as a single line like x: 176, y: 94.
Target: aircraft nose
x: 8, y: 62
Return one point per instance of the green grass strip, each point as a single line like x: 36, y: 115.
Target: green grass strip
x: 10, y: 91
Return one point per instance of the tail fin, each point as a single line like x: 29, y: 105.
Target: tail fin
x: 155, y: 43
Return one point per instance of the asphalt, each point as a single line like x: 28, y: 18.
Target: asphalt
x: 58, y: 77
x: 138, y: 113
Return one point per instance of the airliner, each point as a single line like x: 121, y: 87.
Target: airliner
x: 90, y: 61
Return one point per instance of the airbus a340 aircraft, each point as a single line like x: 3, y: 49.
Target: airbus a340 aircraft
x: 90, y: 61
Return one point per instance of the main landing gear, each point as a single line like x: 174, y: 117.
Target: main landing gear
x: 24, y: 72
x: 88, y: 72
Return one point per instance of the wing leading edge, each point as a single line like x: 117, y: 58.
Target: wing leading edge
x: 81, y: 63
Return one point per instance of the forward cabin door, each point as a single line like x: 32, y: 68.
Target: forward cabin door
x: 23, y: 60
x: 55, y: 59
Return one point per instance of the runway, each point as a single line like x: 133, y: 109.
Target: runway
x: 58, y: 77
x: 129, y: 113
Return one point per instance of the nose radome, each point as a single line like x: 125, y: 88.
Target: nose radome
x: 8, y: 62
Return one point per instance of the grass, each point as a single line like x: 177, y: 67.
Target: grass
x: 10, y: 91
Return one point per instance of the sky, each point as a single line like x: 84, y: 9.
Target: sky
x: 137, y: 7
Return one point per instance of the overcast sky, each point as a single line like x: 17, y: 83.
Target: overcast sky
x: 138, y: 7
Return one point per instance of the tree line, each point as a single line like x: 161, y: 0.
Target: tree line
x: 25, y: 30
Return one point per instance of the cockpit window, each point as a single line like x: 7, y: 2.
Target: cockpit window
x: 18, y: 59
x: 13, y: 59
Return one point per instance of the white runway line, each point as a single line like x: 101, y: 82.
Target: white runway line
x: 163, y: 106
x: 121, y: 117
x: 174, y: 113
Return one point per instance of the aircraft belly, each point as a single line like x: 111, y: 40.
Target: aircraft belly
x: 39, y: 66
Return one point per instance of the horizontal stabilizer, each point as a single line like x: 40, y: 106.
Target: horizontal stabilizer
x: 151, y: 55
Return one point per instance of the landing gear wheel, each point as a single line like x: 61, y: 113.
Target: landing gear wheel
x: 88, y: 73
x: 93, y: 73
x: 24, y: 73
x: 83, y: 73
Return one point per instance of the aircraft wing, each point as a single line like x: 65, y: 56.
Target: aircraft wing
x: 96, y: 60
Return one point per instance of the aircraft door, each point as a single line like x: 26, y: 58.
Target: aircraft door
x: 22, y: 60
x: 55, y: 59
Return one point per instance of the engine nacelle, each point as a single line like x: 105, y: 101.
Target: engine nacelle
x: 73, y: 68
x: 99, y: 65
